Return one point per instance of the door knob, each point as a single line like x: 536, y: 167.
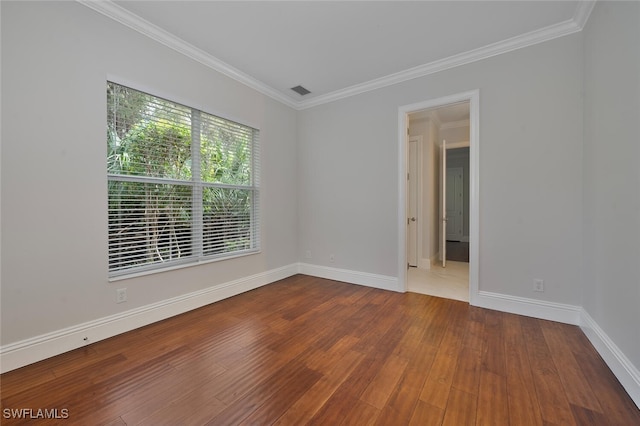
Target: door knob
x: 413, y: 219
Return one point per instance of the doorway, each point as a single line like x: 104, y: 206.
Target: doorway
x: 430, y: 209
x: 441, y: 167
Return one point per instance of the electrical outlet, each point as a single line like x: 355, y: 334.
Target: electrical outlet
x: 332, y: 258
x: 538, y: 285
x: 308, y: 254
x: 121, y: 295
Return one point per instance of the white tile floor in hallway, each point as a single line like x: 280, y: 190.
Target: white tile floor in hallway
x: 451, y: 282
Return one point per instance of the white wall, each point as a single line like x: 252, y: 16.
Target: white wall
x: 530, y: 171
x: 347, y: 212
x: 611, y: 294
x: 55, y: 61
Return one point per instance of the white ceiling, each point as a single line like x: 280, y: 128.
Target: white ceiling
x: 339, y: 48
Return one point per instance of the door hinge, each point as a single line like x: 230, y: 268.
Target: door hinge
x: 407, y: 176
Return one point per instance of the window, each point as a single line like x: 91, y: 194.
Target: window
x: 183, y: 184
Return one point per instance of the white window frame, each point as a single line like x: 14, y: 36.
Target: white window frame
x: 198, y: 255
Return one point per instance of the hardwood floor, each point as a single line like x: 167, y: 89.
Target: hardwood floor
x: 312, y: 351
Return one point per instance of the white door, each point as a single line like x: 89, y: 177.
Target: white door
x: 412, y: 208
x: 455, y: 197
x: 443, y: 202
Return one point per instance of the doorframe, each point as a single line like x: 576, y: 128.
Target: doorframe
x: 473, y: 97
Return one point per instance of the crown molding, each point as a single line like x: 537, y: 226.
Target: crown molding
x: 583, y: 12
x: 534, y: 37
x: 136, y: 23
x: 111, y: 10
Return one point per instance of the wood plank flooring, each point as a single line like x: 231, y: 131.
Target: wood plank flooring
x: 313, y: 351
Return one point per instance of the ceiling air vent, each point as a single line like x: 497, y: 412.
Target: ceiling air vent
x: 300, y: 90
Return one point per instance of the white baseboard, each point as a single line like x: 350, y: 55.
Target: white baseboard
x: 622, y: 368
x: 560, y: 312
x: 354, y: 277
x: 19, y: 354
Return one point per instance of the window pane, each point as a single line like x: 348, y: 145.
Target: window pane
x: 226, y: 220
x: 183, y: 184
x: 225, y: 151
x: 148, y: 223
x: 146, y: 135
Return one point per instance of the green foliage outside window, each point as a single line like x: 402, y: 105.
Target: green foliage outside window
x: 180, y: 182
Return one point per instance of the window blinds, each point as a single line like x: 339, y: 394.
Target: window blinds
x: 183, y: 184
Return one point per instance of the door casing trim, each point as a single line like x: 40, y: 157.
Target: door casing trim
x: 473, y: 97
